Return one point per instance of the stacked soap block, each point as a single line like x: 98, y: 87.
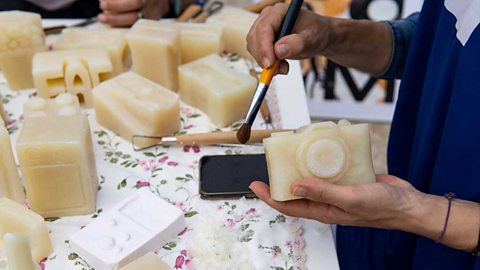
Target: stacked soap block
x: 55, y: 153
x: 198, y: 40
x: 10, y: 185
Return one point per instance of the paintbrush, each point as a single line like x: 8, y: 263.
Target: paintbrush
x: 208, y: 138
x: 243, y: 134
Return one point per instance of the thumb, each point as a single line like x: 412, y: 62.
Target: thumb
x: 290, y: 46
x: 324, y: 192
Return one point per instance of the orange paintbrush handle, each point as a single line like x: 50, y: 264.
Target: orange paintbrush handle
x: 267, y: 73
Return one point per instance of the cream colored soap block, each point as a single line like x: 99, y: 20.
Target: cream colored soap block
x: 56, y: 158
x: 10, y: 185
x: 155, y: 49
x: 16, y: 218
x: 198, y: 40
x: 19, y: 252
x: 212, y: 86
x: 21, y: 36
x: 132, y: 105
x: 236, y: 23
x: 111, y: 39
x: 338, y: 153
x: 72, y: 71
x: 147, y: 261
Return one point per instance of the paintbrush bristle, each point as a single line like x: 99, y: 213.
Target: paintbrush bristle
x: 243, y: 134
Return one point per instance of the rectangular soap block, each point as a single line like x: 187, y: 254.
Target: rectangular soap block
x: 236, y: 23
x: 155, y: 49
x: 137, y: 225
x: 148, y: 261
x: 213, y: 87
x: 21, y: 36
x: 16, y: 218
x: 198, y: 40
x: 10, y: 185
x: 56, y: 158
x: 111, y: 39
x: 132, y: 105
x: 338, y: 153
x: 72, y: 71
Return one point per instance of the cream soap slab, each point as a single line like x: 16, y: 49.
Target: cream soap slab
x: 340, y: 154
x: 16, y: 218
x: 18, y: 251
x: 10, y: 185
x: 56, y: 158
x: 198, y: 40
x: 113, y: 40
x: 137, y: 225
x: 148, y: 261
x: 132, y: 105
x: 155, y: 49
x: 21, y: 36
x: 212, y: 86
x: 72, y: 71
x: 236, y: 23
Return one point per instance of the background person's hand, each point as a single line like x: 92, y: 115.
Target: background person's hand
x: 123, y: 13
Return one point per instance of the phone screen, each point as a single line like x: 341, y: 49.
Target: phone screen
x: 230, y: 175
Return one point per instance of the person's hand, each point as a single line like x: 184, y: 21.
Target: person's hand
x: 382, y: 204
x: 310, y: 36
x: 124, y: 13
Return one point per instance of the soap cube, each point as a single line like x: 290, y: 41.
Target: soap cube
x: 213, y: 87
x: 64, y: 104
x: 236, y: 23
x: 111, y: 39
x: 56, y: 158
x: 16, y: 218
x: 21, y: 36
x: 155, y: 49
x: 337, y: 153
x: 198, y: 40
x: 72, y: 71
x: 148, y: 261
x: 10, y: 185
x: 139, y: 224
x: 132, y: 105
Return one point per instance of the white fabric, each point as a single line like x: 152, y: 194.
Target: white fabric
x: 51, y: 5
x: 467, y: 13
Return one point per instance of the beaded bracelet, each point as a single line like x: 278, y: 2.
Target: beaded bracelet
x: 450, y: 196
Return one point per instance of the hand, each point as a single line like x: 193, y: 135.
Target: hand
x: 124, y: 13
x: 310, y: 36
x: 382, y: 204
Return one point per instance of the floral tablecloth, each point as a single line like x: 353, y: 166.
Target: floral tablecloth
x: 256, y: 236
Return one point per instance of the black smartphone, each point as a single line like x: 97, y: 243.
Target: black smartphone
x: 228, y: 176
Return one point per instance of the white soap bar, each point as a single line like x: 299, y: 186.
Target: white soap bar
x: 16, y: 218
x: 236, y: 23
x: 111, y: 39
x: 155, y: 48
x: 212, y: 86
x: 340, y: 154
x: 56, y: 158
x: 10, y: 185
x: 150, y: 261
x: 198, y: 40
x: 75, y: 71
x: 21, y: 36
x: 132, y: 105
x: 139, y: 224
x: 19, y: 253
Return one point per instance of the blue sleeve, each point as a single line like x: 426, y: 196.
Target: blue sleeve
x: 403, y: 31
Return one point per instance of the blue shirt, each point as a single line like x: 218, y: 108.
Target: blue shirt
x: 434, y: 141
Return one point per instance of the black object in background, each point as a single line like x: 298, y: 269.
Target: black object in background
x: 229, y: 176
x: 78, y: 9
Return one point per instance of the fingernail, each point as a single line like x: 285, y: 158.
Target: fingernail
x: 282, y: 50
x: 102, y: 17
x: 299, y: 191
x: 266, y: 62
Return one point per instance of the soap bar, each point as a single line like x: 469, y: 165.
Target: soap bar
x: 139, y: 224
x: 56, y: 158
x: 155, y: 49
x: 236, y: 23
x: 75, y: 71
x: 338, y: 153
x: 21, y: 36
x: 19, y: 253
x: 113, y: 40
x: 148, y: 261
x: 10, y: 185
x: 16, y: 218
x: 198, y: 40
x: 212, y: 86
x: 132, y: 105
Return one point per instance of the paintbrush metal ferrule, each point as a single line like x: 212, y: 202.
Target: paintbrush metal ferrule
x: 257, y: 100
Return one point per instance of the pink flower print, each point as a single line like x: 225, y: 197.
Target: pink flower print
x: 183, y: 232
x: 251, y: 212
x: 194, y: 164
x: 275, y: 253
x: 179, y: 262
x: 148, y: 165
x: 184, y: 252
x: 186, y: 148
x: 172, y: 163
x: 180, y: 205
x: 11, y: 122
x: 42, y: 263
x: 163, y: 159
x: 230, y: 223
x: 288, y: 244
x: 238, y: 218
x: 220, y: 207
x: 187, y: 262
x: 141, y: 184
x: 196, y: 148
x: 189, y: 126
x: 185, y: 110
